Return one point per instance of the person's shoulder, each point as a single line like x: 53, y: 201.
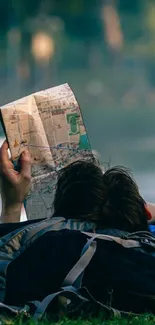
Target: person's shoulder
x: 6, y: 228
x: 112, y: 232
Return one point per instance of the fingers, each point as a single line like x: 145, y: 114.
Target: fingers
x: 4, y: 157
x: 7, y: 168
x: 25, y: 171
x: 5, y: 163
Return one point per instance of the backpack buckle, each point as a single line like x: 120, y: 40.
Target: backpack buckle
x: 146, y: 243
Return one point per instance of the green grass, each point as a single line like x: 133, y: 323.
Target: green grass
x: 146, y: 319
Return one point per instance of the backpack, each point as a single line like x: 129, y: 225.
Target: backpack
x: 106, y: 273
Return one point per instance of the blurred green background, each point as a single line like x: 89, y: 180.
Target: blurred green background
x: 105, y: 50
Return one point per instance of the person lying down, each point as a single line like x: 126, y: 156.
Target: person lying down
x: 108, y: 203
x: 84, y: 194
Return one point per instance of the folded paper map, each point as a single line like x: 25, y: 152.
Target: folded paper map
x: 49, y: 124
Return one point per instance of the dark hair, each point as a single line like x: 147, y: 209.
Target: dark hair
x: 111, y: 200
x: 79, y: 192
x: 123, y: 208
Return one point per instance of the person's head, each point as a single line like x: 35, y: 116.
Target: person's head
x: 111, y: 200
x: 123, y: 207
x: 80, y: 191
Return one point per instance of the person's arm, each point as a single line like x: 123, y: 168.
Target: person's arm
x: 14, y: 185
x: 151, y: 208
x: 10, y: 213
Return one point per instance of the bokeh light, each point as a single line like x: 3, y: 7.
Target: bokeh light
x: 43, y: 47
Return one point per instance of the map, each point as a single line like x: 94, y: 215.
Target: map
x: 49, y: 124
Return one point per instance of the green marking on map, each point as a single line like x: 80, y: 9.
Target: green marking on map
x: 84, y: 143
x: 73, y: 123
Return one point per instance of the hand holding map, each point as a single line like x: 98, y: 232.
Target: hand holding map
x: 49, y: 124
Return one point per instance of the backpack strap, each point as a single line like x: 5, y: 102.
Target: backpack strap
x: 28, y: 234
x: 17, y: 241
x: 140, y: 234
x: 126, y: 243
x: 14, y: 310
x: 146, y: 239
x: 67, y: 291
x: 73, y: 280
x: 87, y: 253
x: 74, y: 277
x: 75, y: 299
x: 139, y: 239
